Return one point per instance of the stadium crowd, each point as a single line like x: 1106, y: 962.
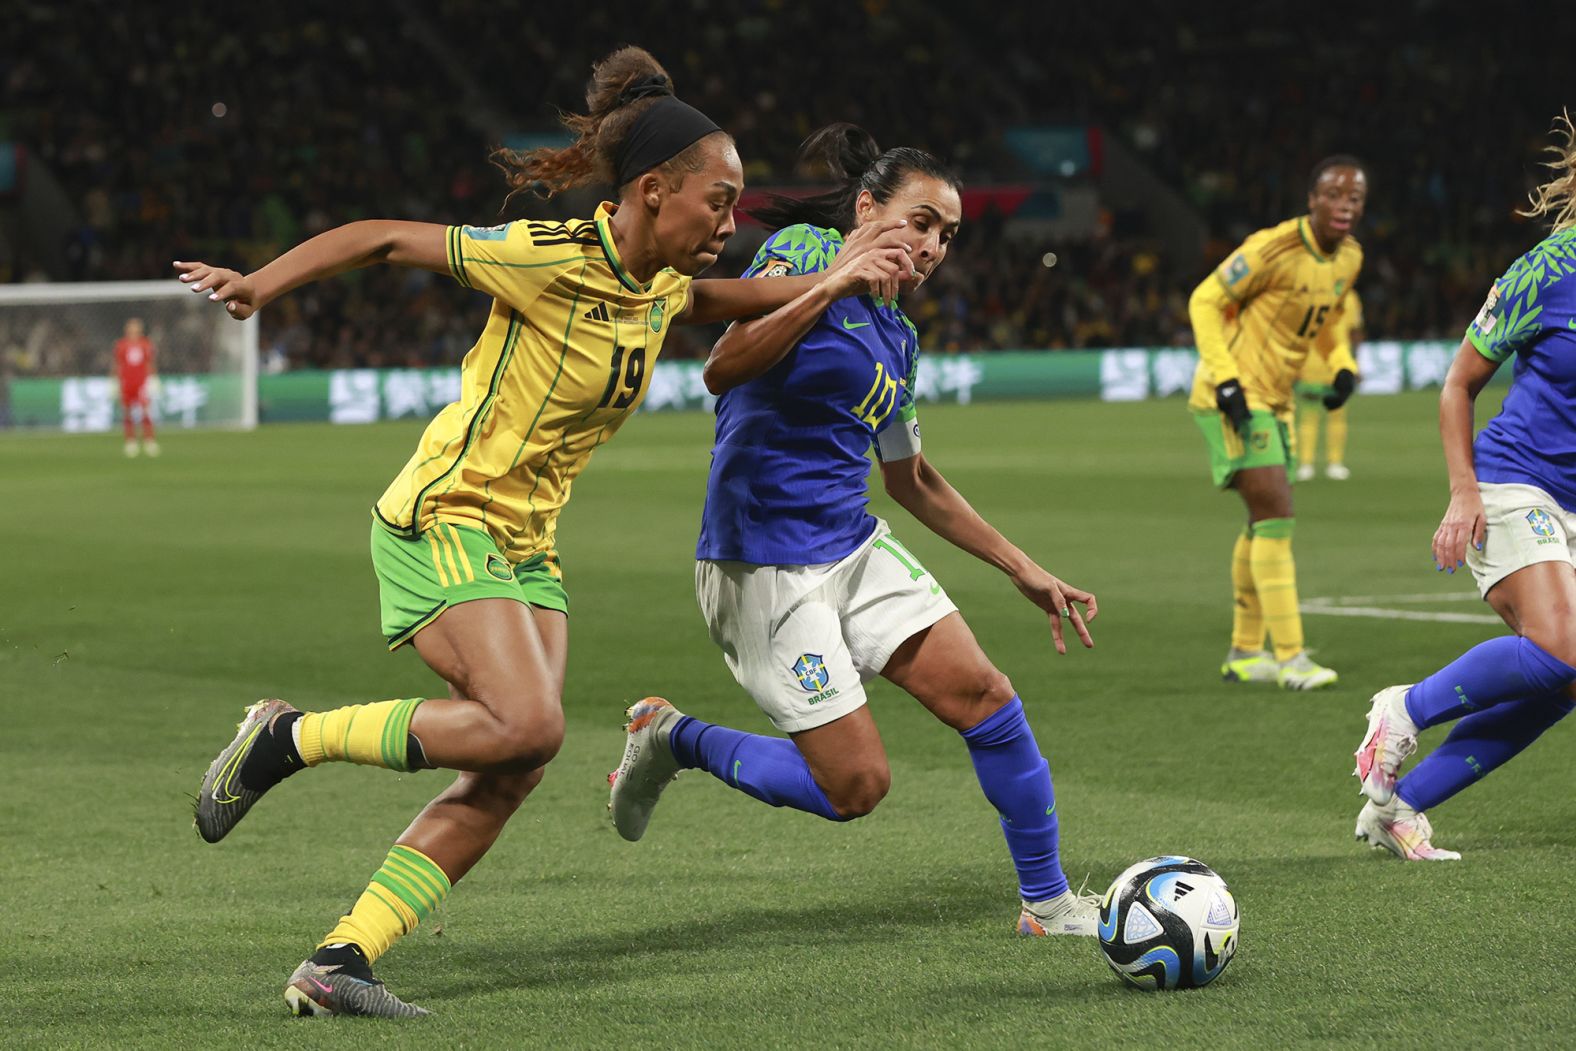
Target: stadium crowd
x: 210, y: 146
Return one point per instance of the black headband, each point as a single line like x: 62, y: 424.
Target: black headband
x: 665, y: 129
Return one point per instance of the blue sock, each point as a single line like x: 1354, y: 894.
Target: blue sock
x: 768, y: 768
x: 1017, y: 781
x: 1490, y: 673
x: 1479, y: 744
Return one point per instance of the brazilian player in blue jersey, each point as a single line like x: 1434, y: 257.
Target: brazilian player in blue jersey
x: 805, y: 591
x: 1512, y: 521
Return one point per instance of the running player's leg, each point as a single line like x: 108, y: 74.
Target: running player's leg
x: 1505, y: 692
x: 440, y: 846
x: 945, y: 669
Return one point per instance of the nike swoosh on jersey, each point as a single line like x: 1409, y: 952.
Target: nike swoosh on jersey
x: 851, y: 324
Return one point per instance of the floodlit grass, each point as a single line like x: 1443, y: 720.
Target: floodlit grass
x: 146, y: 602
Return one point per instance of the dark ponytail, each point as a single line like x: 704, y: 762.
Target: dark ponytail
x: 623, y: 86
x: 851, y: 155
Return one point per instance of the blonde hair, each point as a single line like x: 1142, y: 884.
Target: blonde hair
x: 1557, y: 197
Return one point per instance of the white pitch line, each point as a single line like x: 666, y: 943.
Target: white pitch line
x: 1383, y: 613
x: 1421, y: 596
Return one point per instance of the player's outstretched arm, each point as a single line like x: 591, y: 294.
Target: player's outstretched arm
x: 871, y: 261
x: 1463, y: 522
x: 922, y: 491
x: 335, y: 251
x: 732, y: 299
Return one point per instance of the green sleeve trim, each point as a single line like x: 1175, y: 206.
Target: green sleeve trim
x: 1481, y: 345
x: 1226, y: 288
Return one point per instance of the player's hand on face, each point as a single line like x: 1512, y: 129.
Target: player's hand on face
x: 873, y: 259
x: 1060, y: 600
x: 1463, y: 524
x: 223, y: 286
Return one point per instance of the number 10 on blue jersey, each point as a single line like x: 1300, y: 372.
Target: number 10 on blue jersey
x: 880, y: 401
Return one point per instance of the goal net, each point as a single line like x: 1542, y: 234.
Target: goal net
x: 57, y: 356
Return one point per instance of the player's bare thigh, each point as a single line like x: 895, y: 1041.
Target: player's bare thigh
x: 848, y: 761
x: 1266, y: 491
x: 459, y: 826
x: 944, y: 668
x: 1539, y: 603
x: 495, y: 652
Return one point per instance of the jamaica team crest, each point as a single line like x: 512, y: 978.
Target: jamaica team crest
x: 658, y: 310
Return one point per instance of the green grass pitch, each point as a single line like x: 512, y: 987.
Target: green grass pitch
x: 146, y: 602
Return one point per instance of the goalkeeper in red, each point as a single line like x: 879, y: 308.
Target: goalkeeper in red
x: 1255, y: 319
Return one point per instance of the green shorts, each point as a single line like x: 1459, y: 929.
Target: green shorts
x: 1268, y: 444
x: 450, y: 564
x: 1313, y: 391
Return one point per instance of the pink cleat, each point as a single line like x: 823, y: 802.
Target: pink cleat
x: 1402, y: 831
x: 1391, y: 737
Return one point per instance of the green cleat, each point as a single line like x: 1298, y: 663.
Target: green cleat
x: 1249, y: 666
x: 318, y: 990
x: 223, y: 800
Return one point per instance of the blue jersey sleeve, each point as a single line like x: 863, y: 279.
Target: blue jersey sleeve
x: 801, y: 249
x: 898, y: 439
x: 1527, y: 301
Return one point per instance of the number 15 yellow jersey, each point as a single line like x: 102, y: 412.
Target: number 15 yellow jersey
x: 1257, y: 317
x: 564, y: 360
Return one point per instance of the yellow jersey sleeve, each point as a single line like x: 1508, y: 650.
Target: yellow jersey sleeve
x: 510, y: 262
x: 1241, y: 277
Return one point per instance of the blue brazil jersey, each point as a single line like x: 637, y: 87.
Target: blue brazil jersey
x: 1531, y: 314
x: 789, y: 469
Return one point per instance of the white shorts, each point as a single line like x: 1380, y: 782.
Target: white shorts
x: 803, y: 640
x: 1523, y: 525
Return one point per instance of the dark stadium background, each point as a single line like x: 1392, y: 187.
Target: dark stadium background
x: 1137, y: 142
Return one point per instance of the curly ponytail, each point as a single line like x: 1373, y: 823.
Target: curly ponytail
x: 1557, y: 197
x: 851, y: 155
x: 598, y: 132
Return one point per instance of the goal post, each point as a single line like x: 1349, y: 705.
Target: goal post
x: 57, y: 359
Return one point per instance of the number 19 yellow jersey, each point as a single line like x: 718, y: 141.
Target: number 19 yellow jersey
x: 564, y: 360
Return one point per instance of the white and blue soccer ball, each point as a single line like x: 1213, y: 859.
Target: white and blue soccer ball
x: 1168, y: 923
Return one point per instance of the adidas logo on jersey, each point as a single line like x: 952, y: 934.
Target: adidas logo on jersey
x: 598, y: 313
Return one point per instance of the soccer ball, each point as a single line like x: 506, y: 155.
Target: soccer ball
x: 1168, y: 923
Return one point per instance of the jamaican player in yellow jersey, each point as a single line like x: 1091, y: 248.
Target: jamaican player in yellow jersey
x: 1256, y: 319
x: 463, y: 539
x: 1314, y: 385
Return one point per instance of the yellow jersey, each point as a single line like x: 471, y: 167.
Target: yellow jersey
x: 1334, y: 339
x: 1256, y: 317
x: 564, y: 360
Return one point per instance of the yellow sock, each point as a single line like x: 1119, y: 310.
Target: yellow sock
x: 402, y: 894
x: 1335, y: 436
x: 369, y: 734
x: 1275, y: 579
x: 1247, y: 616
x: 1308, y: 434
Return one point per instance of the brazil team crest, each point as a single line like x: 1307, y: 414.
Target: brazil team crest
x: 811, y: 672
x: 1542, y: 525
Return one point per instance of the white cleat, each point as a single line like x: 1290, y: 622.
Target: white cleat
x: 1402, y: 831
x: 1338, y: 472
x: 150, y: 447
x: 1068, y: 913
x: 648, y: 766
x: 1301, y: 673
x: 132, y: 449
x: 1391, y: 737
x: 1249, y: 666
x: 1305, y: 472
